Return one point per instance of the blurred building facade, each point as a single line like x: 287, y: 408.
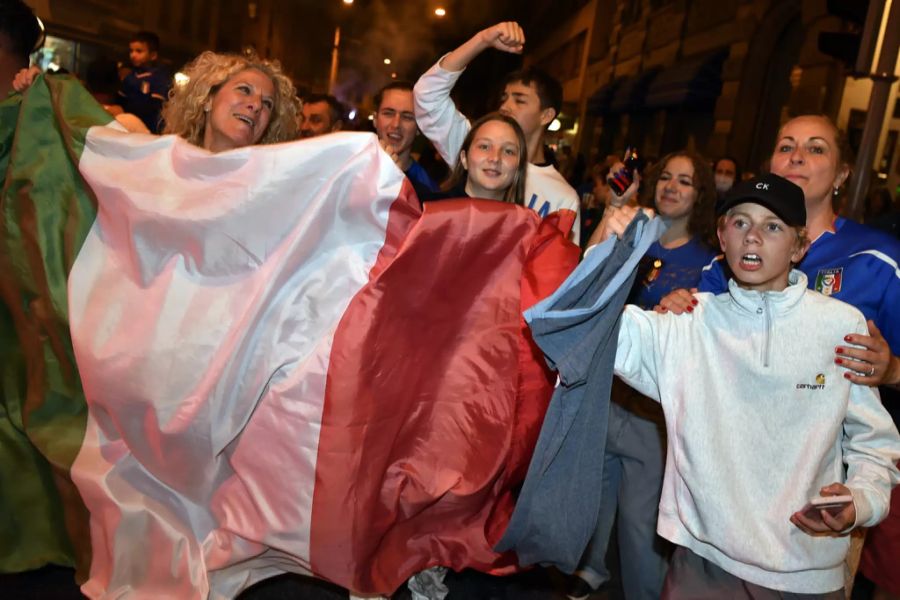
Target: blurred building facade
x: 717, y: 76
x: 79, y: 31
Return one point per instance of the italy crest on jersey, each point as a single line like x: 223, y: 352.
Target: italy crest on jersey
x: 828, y: 281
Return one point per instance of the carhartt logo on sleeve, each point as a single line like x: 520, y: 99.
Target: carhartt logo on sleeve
x: 818, y: 385
x: 828, y: 281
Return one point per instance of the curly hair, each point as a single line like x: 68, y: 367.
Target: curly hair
x: 515, y: 193
x: 184, y: 113
x: 702, y: 222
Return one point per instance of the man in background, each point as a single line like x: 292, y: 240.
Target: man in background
x: 322, y: 113
x: 395, y: 124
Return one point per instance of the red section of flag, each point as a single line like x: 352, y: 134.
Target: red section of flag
x: 547, y: 264
x: 435, y: 396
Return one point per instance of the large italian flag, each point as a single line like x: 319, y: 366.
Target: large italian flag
x: 286, y: 365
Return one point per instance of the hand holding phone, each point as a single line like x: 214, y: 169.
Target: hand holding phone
x: 832, y: 513
x: 833, y: 504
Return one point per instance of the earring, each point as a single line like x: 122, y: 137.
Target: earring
x: 835, y: 192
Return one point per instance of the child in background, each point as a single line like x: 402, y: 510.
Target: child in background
x: 759, y: 418
x: 144, y: 90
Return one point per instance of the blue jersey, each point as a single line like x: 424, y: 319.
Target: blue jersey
x: 420, y: 177
x: 143, y: 92
x: 663, y: 270
x: 853, y: 263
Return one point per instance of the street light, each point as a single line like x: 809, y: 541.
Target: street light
x: 332, y: 77
x: 387, y: 61
x: 335, y: 51
x: 440, y: 12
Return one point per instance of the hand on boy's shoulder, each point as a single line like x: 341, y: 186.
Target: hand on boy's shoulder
x: 825, y: 522
x: 868, y: 358
x: 677, y: 302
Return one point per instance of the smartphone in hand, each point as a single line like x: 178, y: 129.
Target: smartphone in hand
x: 833, y: 504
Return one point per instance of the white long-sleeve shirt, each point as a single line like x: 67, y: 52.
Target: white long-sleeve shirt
x: 759, y: 418
x: 546, y: 191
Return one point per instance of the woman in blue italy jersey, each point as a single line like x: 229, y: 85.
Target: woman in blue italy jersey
x: 849, y: 261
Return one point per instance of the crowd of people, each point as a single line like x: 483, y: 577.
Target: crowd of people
x: 692, y: 356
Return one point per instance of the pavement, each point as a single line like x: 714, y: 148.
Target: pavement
x: 58, y: 583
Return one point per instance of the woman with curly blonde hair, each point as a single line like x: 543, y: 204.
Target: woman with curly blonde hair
x: 231, y: 101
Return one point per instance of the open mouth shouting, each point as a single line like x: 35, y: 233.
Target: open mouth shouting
x: 751, y: 262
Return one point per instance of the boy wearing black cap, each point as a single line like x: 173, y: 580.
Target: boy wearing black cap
x: 759, y: 418
x: 774, y: 208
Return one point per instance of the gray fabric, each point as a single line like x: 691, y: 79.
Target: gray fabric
x: 692, y: 577
x: 429, y: 584
x: 632, y: 479
x: 577, y: 330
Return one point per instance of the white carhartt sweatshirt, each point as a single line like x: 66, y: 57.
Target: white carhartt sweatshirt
x: 759, y: 418
x: 546, y: 191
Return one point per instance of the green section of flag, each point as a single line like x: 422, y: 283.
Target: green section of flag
x: 46, y: 211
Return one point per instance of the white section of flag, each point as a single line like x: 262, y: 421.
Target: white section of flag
x: 205, y: 456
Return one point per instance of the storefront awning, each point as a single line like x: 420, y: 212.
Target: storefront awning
x: 695, y: 82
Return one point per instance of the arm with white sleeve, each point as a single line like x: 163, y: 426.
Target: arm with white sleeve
x: 637, y: 358
x: 871, y: 447
x: 436, y: 114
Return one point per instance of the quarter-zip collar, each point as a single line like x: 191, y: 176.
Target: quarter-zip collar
x: 778, y: 302
x: 768, y: 305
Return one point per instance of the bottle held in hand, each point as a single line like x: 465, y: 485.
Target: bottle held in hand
x: 624, y: 177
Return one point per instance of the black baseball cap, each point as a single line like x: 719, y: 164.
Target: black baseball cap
x: 782, y: 197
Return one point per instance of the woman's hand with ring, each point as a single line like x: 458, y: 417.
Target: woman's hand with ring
x: 868, y: 360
